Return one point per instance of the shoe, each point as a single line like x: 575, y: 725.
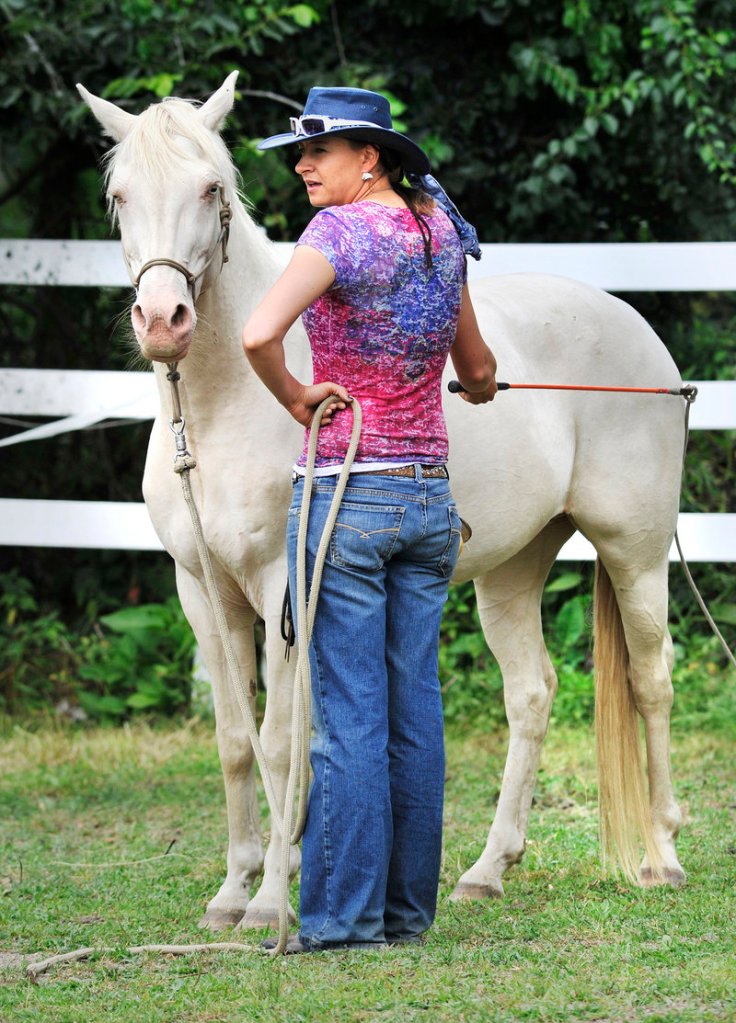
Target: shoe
x: 293, y: 945
x: 412, y: 939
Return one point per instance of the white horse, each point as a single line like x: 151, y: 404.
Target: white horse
x: 527, y: 471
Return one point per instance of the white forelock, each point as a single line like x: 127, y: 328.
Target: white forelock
x: 155, y: 144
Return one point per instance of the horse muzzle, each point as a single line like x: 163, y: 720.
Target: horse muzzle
x: 164, y: 328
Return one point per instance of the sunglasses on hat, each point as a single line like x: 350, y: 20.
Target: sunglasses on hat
x: 311, y: 124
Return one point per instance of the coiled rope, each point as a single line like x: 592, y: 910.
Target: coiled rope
x: 301, y: 723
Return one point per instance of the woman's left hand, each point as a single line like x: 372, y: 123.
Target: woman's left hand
x: 312, y: 395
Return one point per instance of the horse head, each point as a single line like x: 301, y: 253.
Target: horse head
x: 170, y: 185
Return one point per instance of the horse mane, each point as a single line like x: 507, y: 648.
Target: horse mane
x: 153, y: 145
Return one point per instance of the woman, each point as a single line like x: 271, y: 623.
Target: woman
x: 379, y: 276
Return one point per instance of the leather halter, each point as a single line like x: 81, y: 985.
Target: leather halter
x: 225, y: 214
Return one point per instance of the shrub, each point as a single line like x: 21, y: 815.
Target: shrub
x: 133, y: 660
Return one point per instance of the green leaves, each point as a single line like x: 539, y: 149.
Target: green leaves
x: 145, y: 665
x: 303, y: 15
x: 266, y: 22
x: 563, y: 582
x: 700, y: 60
x: 136, y: 659
x: 124, y: 88
x: 724, y: 613
x: 127, y: 51
x: 563, y: 119
x: 644, y: 73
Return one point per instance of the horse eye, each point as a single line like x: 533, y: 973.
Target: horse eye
x: 117, y: 199
x: 213, y: 189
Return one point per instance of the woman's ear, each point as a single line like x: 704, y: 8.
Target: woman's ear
x: 371, y: 156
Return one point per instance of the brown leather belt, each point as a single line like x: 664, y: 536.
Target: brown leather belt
x: 428, y: 471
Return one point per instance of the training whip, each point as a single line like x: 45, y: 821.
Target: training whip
x: 688, y: 392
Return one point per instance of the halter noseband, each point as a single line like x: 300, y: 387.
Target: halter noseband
x: 226, y: 215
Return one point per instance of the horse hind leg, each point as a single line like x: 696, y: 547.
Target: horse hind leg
x: 633, y: 655
x: 509, y: 605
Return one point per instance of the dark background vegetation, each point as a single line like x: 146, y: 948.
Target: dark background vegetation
x: 567, y: 121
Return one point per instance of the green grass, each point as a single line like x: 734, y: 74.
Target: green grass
x: 564, y: 944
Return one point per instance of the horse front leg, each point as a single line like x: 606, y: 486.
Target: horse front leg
x: 263, y: 909
x: 245, y: 846
x: 509, y: 606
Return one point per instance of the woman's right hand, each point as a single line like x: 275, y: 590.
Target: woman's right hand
x: 312, y: 395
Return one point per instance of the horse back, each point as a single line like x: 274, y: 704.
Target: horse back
x: 531, y: 455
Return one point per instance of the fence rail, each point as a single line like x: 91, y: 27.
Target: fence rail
x: 619, y: 266
x: 75, y: 399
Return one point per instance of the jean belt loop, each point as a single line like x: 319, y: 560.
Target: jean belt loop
x: 418, y: 472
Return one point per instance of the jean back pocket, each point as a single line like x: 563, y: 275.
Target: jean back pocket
x: 365, y: 535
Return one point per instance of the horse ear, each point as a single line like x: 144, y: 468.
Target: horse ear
x: 115, y: 122
x: 218, y: 106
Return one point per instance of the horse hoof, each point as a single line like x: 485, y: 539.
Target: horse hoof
x: 675, y: 877
x: 256, y: 919
x: 220, y: 919
x: 465, y: 892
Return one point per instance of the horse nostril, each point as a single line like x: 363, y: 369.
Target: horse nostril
x: 139, y: 320
x: 181, y: 317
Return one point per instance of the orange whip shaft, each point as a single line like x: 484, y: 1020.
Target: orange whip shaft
x: 455, y: 387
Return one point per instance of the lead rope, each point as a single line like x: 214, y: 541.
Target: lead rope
x: 290, y: 825
x: 690, y: 396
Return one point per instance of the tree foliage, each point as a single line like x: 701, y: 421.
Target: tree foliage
x: 573, y: 119
x: 133, y: 51
x: 569, y: 120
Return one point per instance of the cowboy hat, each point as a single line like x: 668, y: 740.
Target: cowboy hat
x: 355, y: 114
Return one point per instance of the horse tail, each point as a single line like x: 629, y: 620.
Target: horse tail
x: 624, y: 818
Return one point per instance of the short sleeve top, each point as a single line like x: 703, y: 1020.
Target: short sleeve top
x: 384, y: 329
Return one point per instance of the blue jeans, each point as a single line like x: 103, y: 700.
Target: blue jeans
x: 372, y: 844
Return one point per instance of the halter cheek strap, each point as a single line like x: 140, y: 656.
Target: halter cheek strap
x: 226, y: 215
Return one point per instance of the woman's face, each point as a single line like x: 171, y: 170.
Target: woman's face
x: 331, y: 170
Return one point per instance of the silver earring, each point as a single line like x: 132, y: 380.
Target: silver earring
x: 366, y: 176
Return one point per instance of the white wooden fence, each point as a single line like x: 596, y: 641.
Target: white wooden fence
x: 75, y: 399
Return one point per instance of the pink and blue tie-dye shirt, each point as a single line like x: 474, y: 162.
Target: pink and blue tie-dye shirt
x: 384, y: 329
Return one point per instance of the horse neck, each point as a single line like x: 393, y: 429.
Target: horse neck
x: 216, y: 375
